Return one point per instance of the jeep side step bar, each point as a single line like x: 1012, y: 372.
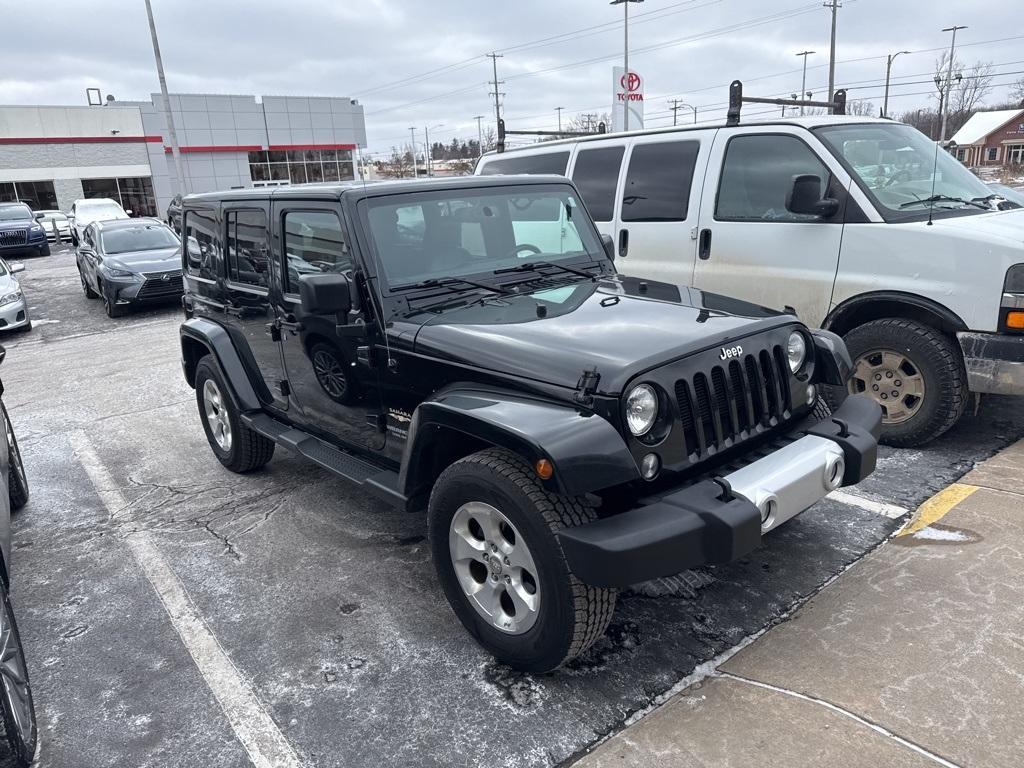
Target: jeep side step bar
x: 382, y: 483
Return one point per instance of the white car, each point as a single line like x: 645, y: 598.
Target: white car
x: 13, y: 307
x: 56, y: 224
x: 862, y: 226
x: 85, y: 212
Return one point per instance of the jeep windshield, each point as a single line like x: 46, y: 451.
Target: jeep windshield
x: 423, y: 238
x: 898, y: 167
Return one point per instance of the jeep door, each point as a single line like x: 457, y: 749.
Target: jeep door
x: 659, y: 204
x: 750, y: 245
x: 331, y: 392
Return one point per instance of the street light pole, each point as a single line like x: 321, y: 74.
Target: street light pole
x: 888, y: 71
x: 429, y: 151
x: 835, y: 6
x: 559, y: 111
x: 415, y: 169
x: 625, y: 57
x: 803, y: 82
x: 479, y: 136
x: 171, y: 133
x: 949, y: 80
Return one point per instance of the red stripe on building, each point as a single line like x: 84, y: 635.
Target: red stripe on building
x: 287, y: 147
x: 79, y: 139
x: 224, y: 148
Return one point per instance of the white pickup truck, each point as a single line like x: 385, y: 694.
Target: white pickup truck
x: 860, y: 225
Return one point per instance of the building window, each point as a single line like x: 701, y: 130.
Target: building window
x: 961, y: 154
x: 39, y: 195
x: 992, y: 154
x: 133, y: 194
x: 1015, y: 154
x: 300, y: 166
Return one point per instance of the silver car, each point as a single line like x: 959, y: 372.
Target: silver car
x: 13, y: 307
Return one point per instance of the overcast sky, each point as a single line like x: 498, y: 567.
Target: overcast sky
x: 556, y: 53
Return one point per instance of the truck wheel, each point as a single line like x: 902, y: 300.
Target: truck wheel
x: 19, y: 714
x: 238, y: 448
x: 17, y: 482
x: 914, y: 372
x: 492, y: 531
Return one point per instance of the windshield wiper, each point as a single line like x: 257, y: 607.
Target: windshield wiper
x: 446, y: 282
x: 535, y: 266
x: 943, y: 199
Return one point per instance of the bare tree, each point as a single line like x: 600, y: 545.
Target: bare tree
x: 862, y: 108
x: 397, y: 166
x: 1017, y: 92
x: 970, y: 84
x: 587, y: 122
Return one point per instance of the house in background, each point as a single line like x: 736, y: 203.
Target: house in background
x: 991, y: 138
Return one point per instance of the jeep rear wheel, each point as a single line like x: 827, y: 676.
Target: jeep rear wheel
x: 492, y: 529
x: 237, y: 447
x: 914, y: 372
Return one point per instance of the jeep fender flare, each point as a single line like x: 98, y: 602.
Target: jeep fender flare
x: 197, y: 334
x: 585, y: 450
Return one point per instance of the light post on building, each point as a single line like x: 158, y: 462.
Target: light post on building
x: 625, y: 56
x: 888, y: 72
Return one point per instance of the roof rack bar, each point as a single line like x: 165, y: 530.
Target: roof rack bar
x: 502, y: 133
x: 736, y: 101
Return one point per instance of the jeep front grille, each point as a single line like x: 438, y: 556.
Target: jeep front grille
x: 14, y: 237
x: 733, y: 400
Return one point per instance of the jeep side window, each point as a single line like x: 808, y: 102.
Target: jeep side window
x: 658, y: 181
x: 248, y: 258
x: 201, y: 244
x: 596, y: 175
x: 313, y: 242
x: 549, y: 162
x: 757, y: 174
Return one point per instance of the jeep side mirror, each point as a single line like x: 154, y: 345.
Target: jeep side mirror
x: 609, y: 246
x: 325, y: 294
x: 804, y: 197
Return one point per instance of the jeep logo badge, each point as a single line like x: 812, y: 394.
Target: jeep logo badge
x: 730, y: 352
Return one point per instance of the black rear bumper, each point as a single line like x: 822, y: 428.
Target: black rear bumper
x: 704, y: 524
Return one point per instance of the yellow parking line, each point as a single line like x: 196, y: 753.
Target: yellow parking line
x: 937, y: 506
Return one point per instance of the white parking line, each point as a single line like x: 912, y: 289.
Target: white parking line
x: 869, y: 505
x: 255, y: 729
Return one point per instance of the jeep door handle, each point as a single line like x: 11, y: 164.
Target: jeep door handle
x: 704, y: 247
x: 623, y: 243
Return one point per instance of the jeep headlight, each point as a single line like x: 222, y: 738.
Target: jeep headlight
x: 641, y: 409
x: 796, y: 351
x: 10, y: 298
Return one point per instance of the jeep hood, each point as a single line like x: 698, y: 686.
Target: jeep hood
x: 621, y: 326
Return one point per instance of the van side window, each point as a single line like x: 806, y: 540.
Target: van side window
x: 596, y: 175
x: 658, y: 181
x: 549, y: 162
x: 248, y: 260
x: 758, y: 174
x: 201, y: 244
x: 313, y: 242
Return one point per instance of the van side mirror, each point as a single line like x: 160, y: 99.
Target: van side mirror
x: 325, y: 294
x: 609, y: 246
x: 804, y: 197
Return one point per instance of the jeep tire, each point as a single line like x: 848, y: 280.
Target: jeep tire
x: 237, y: 447
x: 491, y: 507
x: 894, y: 358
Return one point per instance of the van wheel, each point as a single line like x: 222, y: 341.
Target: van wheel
x: 914, y: 372
x: 237, y: 447
x: 492, y: 530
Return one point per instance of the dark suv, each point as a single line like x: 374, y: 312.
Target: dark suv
x: 466, y: 347
x: 20, y: 233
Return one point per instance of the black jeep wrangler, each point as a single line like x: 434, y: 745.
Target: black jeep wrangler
x: 466, y: 347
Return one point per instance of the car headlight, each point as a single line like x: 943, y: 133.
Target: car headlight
x: 10, y: 298
x: 796, y: 351
x: 641, y: 409
x: 119, y: 272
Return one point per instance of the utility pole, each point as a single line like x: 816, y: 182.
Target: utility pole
x: 559, y: 111
x: 479, y: 136
x: 803, y: 82
x: 171, y: 133
x: 625, y: 57
x: 429, y: 152
x: 835, y: 6
x: 496, y: 82
x: 415, y: 169
x: 888, y: 71
x: 949, y: 81
x: 674, y: 106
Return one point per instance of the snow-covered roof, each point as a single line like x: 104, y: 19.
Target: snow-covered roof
x: 982, y: 124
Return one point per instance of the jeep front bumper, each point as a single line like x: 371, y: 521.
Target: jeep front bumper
x: 717, y: 521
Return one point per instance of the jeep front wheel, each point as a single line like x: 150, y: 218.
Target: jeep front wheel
x: 492, y: 529
x: 237, y: 447
x: 914, y: 372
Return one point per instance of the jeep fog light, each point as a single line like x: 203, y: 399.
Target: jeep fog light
x: 641, y: 409
x: 649, y: 466
x: 796, y: 351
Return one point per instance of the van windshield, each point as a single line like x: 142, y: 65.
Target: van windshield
x: 100, y: 213
x: 437, y: 235
x: 898, y: 167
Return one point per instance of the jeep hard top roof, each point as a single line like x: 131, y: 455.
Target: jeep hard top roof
x: 361, y: 189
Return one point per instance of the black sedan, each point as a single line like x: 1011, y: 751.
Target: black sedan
x: 129, y: 262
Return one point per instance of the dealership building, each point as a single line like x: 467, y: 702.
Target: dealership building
x: 51, y: 156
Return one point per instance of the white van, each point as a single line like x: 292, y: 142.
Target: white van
x: 860, y: 225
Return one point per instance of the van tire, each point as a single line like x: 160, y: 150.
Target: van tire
x: 938, y: 362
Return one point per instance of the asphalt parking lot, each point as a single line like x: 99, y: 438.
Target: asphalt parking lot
x: 137, y: 548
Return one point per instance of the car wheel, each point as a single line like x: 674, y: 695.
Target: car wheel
x: 17, y: 482
x: 331, y: 373
x: 19, y: 712
x: 914, y: 372
x: 86, y: 288
x: 237, y: 447
x: 110, y: 305
x: 492, y: 529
